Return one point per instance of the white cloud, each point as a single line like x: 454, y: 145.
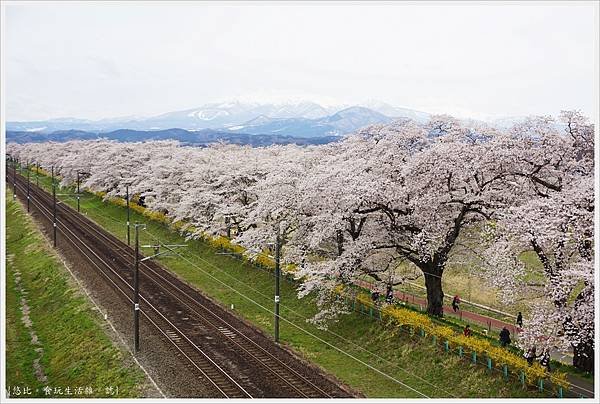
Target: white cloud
x: 113, y: 59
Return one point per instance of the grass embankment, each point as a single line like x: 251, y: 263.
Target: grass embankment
x: 420, y: 365
x: 74, y: 353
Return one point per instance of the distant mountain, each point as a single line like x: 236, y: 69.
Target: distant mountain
x: 396, y: 112
x: 300, y: 119
x: 299, y: 127
x: 56, y: 136
x: 345, y: 121
x: 353, y: 118
x: 195, y: 138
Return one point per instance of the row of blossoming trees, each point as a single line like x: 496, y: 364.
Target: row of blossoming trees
x: 387, y: 195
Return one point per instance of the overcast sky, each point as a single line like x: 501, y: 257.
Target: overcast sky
x: 115, y: 59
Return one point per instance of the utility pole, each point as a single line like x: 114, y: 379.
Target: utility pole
x: 37, y: 175
x: 14, y: 178
x: 136, y: 291
x: 28, y: 187
x: 277, y: 276
x: 53, y: 207
x: 77, y: 191
x: 127, y: 199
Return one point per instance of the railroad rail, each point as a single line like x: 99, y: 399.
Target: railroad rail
x: 185, y: 318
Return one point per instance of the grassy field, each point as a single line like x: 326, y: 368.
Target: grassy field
x: 413, y: 368
x: 73, y: 350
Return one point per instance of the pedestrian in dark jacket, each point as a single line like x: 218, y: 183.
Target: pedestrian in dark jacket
x: 389, y: 294
x: 504, y: 337
x: 467, y: 331
x: 520, y: 320
x: 530, y: 355
x: 455, y: 302
x: 545, y: 359
x: 375, y: 296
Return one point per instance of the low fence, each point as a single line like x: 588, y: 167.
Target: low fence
x: 533, y: 377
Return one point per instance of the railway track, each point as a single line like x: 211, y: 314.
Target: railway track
x: 196, y: 359
x: 202, y: 333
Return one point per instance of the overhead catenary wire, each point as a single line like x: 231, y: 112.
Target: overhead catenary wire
x: 284, y: 319
x: 99, y: 210
x: 301, y: 316
x: 126, y: 251
x: 297, y: 326
x: 295, y: 312
x: 41, y: 206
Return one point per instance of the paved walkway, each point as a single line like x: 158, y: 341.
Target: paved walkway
x: 488, y: 324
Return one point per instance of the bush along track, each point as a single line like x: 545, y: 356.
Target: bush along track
x: 55, y: 345
x: 398, y: 354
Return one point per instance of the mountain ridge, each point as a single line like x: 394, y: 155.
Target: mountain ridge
x: 202, y: 137
x: 306, y: 119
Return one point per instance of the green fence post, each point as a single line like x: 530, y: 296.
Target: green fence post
x: 371, y: 311
x: 541, y: 385
x: 474, y: 356
x: 505, y: 371
x: 560, y: 392
x: 422, y: 332
x: 446, y: 346
x: 460, y: 351
x: 434, y: 339
x: 522, y: 378
x: 489, y: 363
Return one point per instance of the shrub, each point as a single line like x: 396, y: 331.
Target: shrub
x: 501, y: 356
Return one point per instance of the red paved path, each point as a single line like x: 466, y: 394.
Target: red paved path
x: 579, y: 386
x: 484, y: 321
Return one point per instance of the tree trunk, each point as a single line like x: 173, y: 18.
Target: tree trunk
x: 435, y: 295
x: 583, y: 356
x: 340, y: 242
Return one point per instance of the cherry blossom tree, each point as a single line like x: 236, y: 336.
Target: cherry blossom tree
x: 407, y: 200
x: 388, y: 195
x: 553, y: 217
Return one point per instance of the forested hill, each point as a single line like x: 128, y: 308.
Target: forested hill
x: 195, y: 138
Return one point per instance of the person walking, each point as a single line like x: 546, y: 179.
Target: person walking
x: 504, y: 337
x: 530, y: 355
x: 389, y: 294
x: 375, y: 296
x: 455, y: 302
x: 467, y: 331
x: 545, y: 359
x: 520, y: 320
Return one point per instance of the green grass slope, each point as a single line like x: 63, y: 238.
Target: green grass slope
x: 74, y: 352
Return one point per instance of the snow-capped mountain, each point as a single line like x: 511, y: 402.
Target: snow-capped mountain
x: 219, y: 115
x: 299, y: 118
x: 298, y: 127
x: 353, y: 118
x: 342, y: 122
x: 396, y: 112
